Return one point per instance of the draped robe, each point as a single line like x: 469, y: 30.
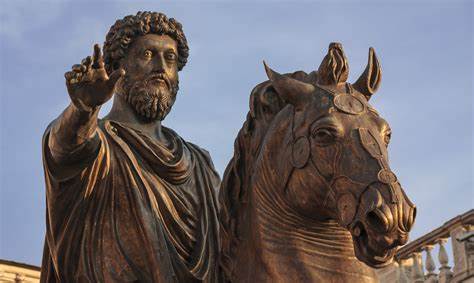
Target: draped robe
x: 128, y: 208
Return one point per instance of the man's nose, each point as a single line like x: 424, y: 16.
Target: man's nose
x: 159, y: 64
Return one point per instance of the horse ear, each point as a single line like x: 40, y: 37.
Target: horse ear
x: 334, y: 68
x: 369, y: 81
x: 292, y: 91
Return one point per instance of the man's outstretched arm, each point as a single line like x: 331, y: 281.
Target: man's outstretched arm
x: 89, y: 87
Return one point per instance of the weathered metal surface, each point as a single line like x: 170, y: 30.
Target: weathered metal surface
x: 316, y: 202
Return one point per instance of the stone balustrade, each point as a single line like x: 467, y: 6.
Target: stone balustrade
x: 11, y: 271
x: 423, y: 260
x: 415, y: 262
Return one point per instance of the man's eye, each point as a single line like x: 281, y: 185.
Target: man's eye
x: 170, y: 56
x: 147, y: 54
x: 324, y: 136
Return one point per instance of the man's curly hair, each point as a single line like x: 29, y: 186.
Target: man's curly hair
x: 124, y: 31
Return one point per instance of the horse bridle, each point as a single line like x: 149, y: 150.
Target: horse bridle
x: 301, y: 152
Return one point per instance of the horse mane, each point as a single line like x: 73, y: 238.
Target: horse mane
x: 265, y: 104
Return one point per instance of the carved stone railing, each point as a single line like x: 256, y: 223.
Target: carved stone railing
x: 409, y: 266
x: 415, y: 262
x: 11, y: 271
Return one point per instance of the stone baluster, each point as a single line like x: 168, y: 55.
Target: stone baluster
x: 445, y: 273
x: 19, y: 278
x: 431, y: 276
x: 417, y: 274
x: 460, y: 258
x: 402, y: 275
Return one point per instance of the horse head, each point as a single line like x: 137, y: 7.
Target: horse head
x: 339, y: 157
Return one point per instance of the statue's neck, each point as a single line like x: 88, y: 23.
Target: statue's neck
x: 279, y: 224
x: 123, y: 112
x: 306, y: 249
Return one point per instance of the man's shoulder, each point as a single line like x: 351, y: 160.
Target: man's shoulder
x: 203, y: 157
x: 203, y: 151
x: 194, y: 148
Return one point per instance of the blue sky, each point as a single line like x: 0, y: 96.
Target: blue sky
x: 425, y: 49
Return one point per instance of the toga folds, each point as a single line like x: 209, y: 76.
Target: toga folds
x: 124, y: 207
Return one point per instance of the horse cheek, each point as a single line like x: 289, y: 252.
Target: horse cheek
x: 324, y: 158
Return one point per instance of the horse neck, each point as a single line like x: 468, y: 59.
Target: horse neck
x: 307, y: 249
x: 280, y: 226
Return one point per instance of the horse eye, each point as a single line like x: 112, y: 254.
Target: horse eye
x: 323, y: 136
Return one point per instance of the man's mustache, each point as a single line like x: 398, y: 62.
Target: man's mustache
x: 158, y: 76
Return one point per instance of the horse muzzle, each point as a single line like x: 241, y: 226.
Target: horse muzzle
x: 385, y: 216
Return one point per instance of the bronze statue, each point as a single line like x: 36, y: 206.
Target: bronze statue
x: 308, y: 192
x: 309, y: 189
x: 128, y: 200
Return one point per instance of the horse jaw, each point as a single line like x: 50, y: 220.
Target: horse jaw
x: 364, y: 252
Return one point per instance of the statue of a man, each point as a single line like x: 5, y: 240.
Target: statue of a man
x: 128, y: 200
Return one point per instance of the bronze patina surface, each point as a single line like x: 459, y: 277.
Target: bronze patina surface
x: 128, y: 200
x: 309, y: 195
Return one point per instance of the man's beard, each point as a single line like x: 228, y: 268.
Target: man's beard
x: 150, y: 99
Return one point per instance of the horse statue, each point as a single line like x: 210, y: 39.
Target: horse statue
x: 309, y: 195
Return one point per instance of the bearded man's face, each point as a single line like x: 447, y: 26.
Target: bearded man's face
x: 151, y: 81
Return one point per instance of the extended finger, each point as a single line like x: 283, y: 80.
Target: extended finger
x: 98, y: 61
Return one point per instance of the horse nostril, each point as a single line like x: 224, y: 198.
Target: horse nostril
x: 377, y: 221
x: 411, y: 220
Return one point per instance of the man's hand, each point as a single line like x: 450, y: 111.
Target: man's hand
x: 88, y: 84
